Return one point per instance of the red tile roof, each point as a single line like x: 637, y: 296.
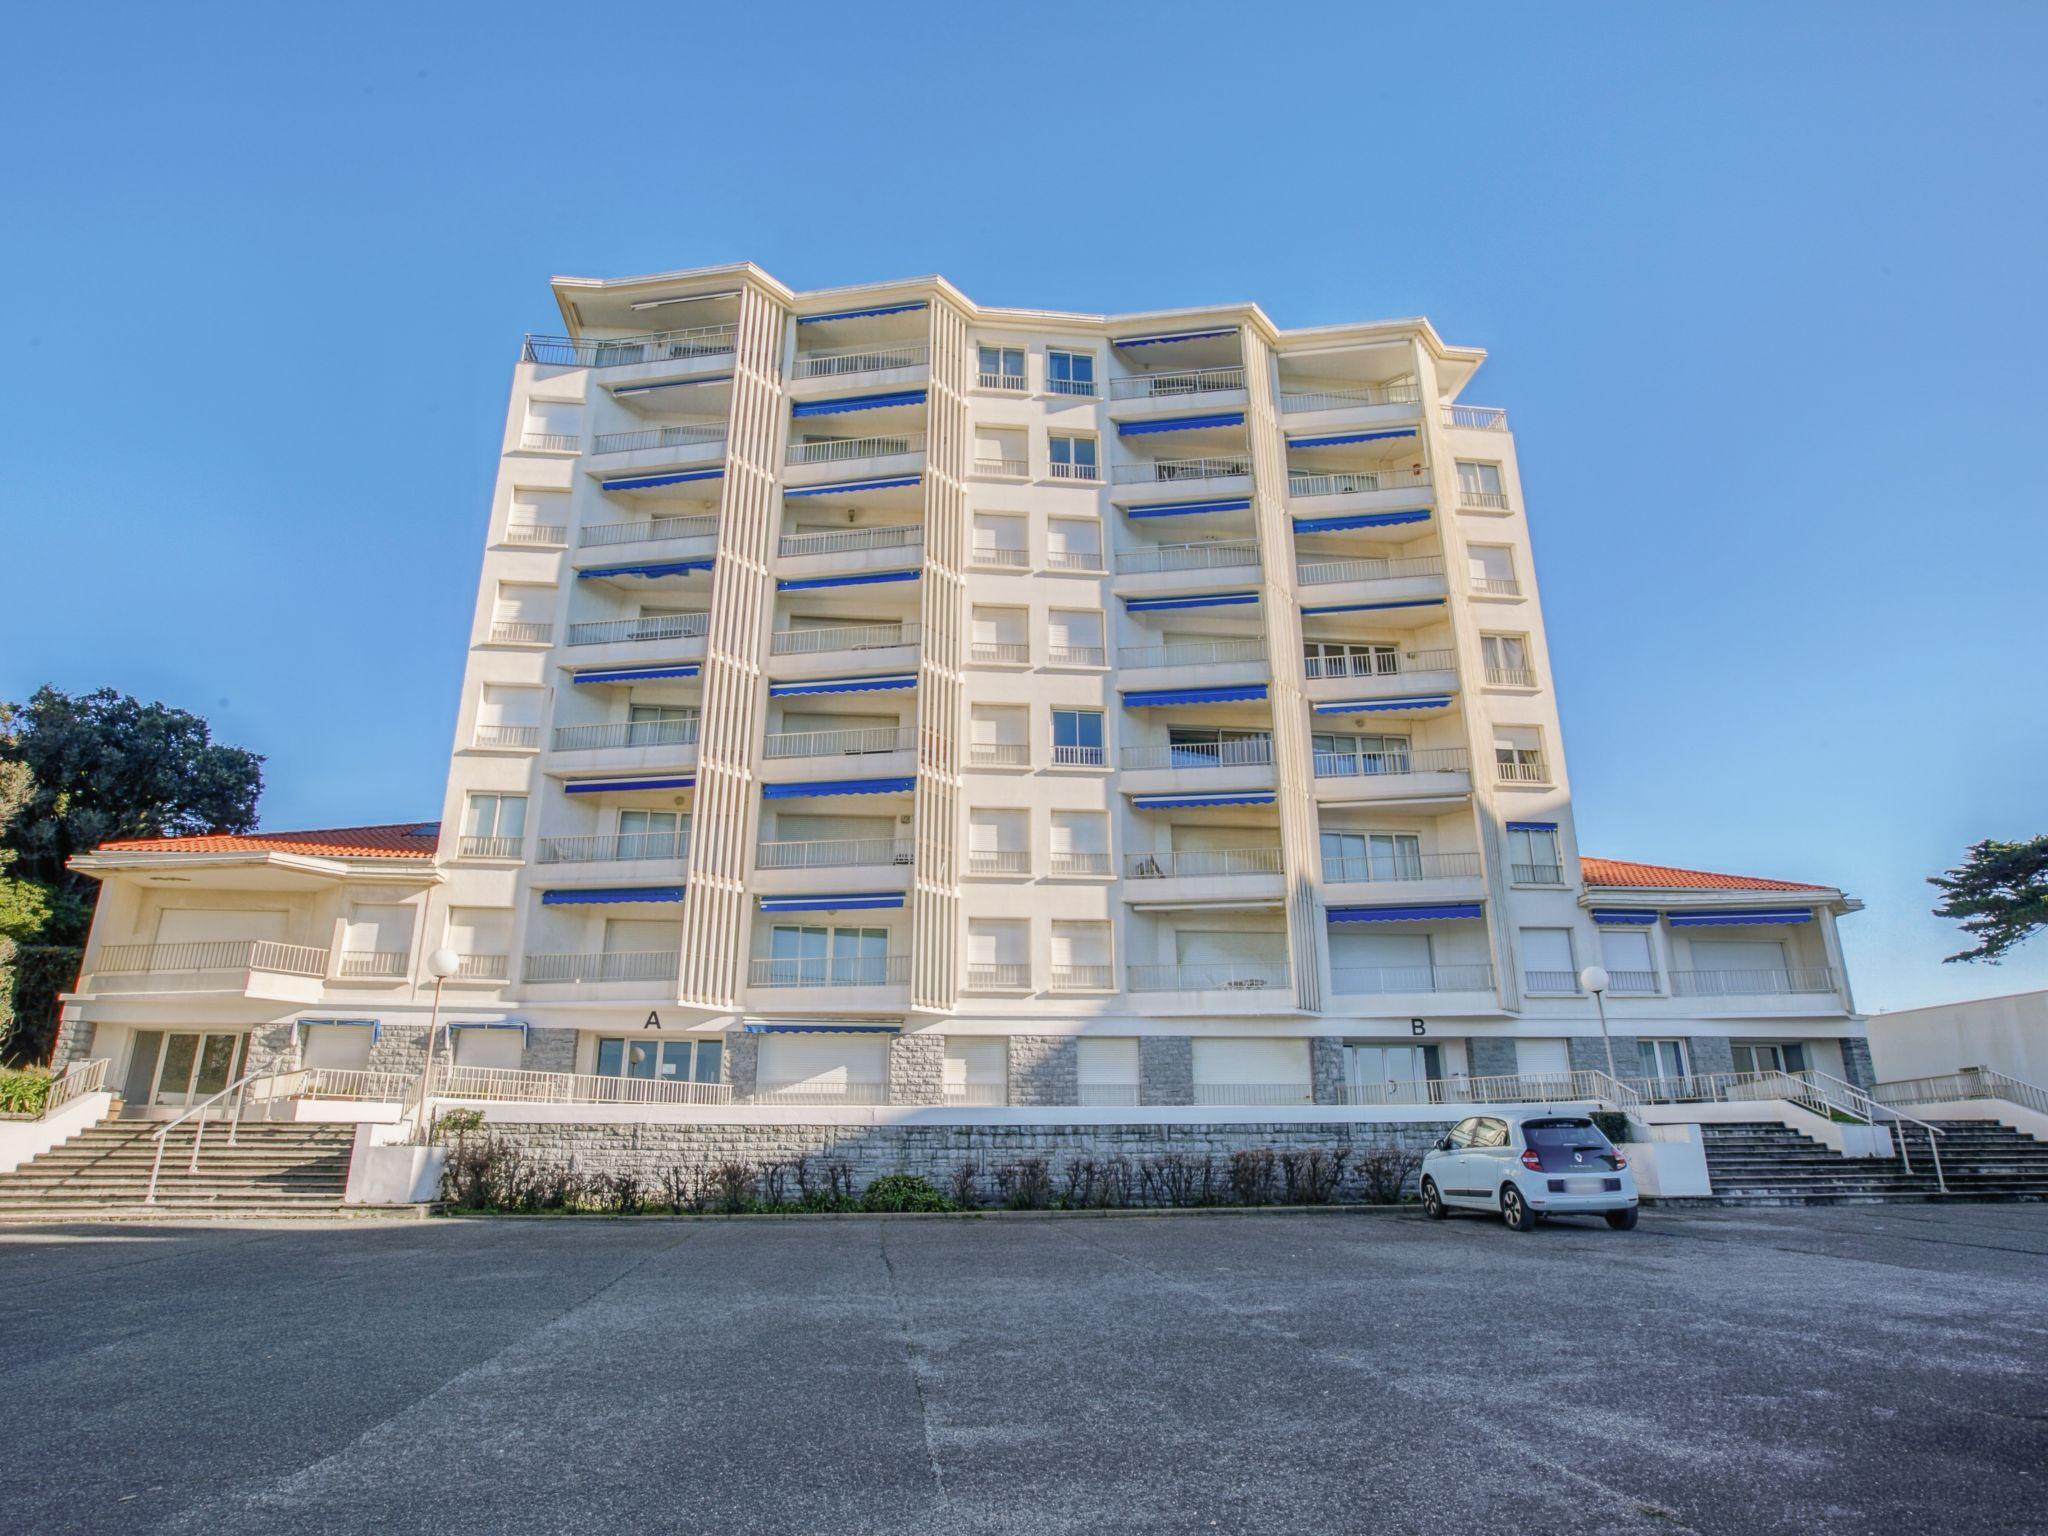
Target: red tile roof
x: 1665, y: 877
x: 398, y: 840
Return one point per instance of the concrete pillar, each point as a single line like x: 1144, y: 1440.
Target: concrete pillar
x: 1044, y: 1069
x: 549, y: 1050
x: 1166, y: 1069
x: 1326, y: 1068
x: 1496, y: 1056
x: 917, y: 1069
x: 740, y: 1063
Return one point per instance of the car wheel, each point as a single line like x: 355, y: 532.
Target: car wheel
x: 1515, y: 1209
x: 1433, y: 1201
x: 1622, y: 1221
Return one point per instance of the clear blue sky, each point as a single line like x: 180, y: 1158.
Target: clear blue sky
x: 1762, y: 288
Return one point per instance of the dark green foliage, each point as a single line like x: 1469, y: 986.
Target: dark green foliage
x: 1999, y: 894
x: 903, y: 1192
x: 1613, y: 1124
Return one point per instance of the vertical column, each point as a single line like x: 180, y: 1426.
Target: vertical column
x: 1300, y: 864
x: 937, y: 815
x: 715, y: 918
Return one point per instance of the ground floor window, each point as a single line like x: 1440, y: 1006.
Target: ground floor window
x: 181, y: 1067
x: 1769, y: 1056
x: 1663, y: 1058
x: 680, y: 1061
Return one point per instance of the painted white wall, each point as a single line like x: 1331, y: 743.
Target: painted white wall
x: 2009, y: 1034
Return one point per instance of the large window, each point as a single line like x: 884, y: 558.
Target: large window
x: 1547, y: 962
x: 1479, y: 485
x: 1630, y: 962
x: 1372, y: 856
x: 1662, y: 1058
x: 1533, y: 858
x: 1073, y: 458
x: 679, y: 1061
x: 1070, y: 373
x: 492, y: 826
x: 1077, y: 738
x: 1001, y: 368
x: 805, y: 956
x: 1506, y: 658
x: 1202, y: 746
x: 1340, y: 658
x: 1341, y: 753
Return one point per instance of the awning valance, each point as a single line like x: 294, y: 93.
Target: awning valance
x: 1164, y: 337
x: 1147, y: 698
x: 1406, y: 602
x: 1206, y: 600
x: 842, y: 487
x: 861, y: 314
x: 649, y: 572
x: 1333, y: 439
x: 1532, y: 826
x: 1179, y: 423
x: 866, y: 579
x: 1190, y: 508
x: 1382, y: 706
x: 1361, y: 520
x: 624, y: 786
x: 844, y: 685
x: 823, y: 1029
x: 650, y: 482
x: 619, y: 392
x: 1738, y: 917
x: 847, y: 403
x: 1196, y: 802
x: 374, y: 1026
x: 804, y: 789
x: 871, y: 901
x: 1422, y: 913
x: 633, y: 674
x: 1614, y: 919
x: 518, y: 1024
x: 611, y: 895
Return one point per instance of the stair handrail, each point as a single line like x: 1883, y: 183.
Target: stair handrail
x: 1831, y: 1088
x: 75, y: 1081
x: 1979, y: 1082
x: 240, y: 1088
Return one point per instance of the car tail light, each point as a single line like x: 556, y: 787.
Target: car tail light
x: 1531, y: 1160
x: 1620, y: 1161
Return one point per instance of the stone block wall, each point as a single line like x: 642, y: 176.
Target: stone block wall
x: 1166, y: 1069
x: 1326, y: 1069
x: 1856, y: 1064
x: 1495, y: 1056
x: 917, y: 1069
x: 740, y: 1063
x: 549, y: 1050
x: 1044, y: 1069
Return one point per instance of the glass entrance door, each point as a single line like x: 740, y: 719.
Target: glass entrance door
x: 194, y: 1067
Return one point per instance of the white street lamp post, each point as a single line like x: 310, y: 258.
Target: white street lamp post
x: 1594, y: 979
x: 441, y: 964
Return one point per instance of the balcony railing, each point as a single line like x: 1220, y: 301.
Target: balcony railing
x: 981, y: 1095
x: 550, y: 442
x: 1002, y: 555
x: 1519, y: 1088
x: 1484, y: 418
x: 1084, y: 978
x: 1199, y: 555
x: 215, y: 955
x: 1379, y: 979
x: 1253, y: 1094
x: 1631, y: 983
x: 1086, y: 469
x: 1191, y: 381
x: 1085, y: 560
x: 1554, y: 982
x: 834, y: 450
x: 481, y: 967
x: 506, y: 1084
x: 846, y: 360
x: 626, y: 733
x: 1005, y: 977
x: 850, y: 637
x: 1354, y: 482
x: 999, y: 754
x: 1510, y: 677
x: 1497, y: 586
x: 614, y: 848
x: 1202, y: 863
x: 1076, y: 656
x: 688, y: 435
x: 1224, y: 976
x: 1771, y: 982
x: 852, y: 743
x: 1252, y: 752
x: 1072, y: 864
x: 521, y: 632
x: 700, y: 525
x: 1016, y: 383
x: 1103, y: 1095
x: 1084, y: 389
x: 1312, y: 573
x: 621, y: 965
x: 506, y: 736
x: 845, y: 540
x: 540, y: 534
x: 1340, y: 397
x: 649, y: 627
x: 834, y: 853
x: 999, y: 861
x: 1003, y: 466
x: 1192, y: 653
x: 1381, y: 868
x: 1532, y: 770
x: 850, y: 971
x: 1537, y: 874
x: 1484, y: 501
x: 651, y: 347
x: 1000, y: 652
x: 1064, y: 756
x: 1378, y: 663
x: 488, y: 847
x: 1210, y: 467
x: 383, y: 963
x: 1338, y: 765
x: 821, y: 1093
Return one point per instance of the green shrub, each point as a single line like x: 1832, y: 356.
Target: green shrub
x: 903, y: 1192
x: 1613, y: 1124
x: 23, y: 1089
x: 458, y: 1123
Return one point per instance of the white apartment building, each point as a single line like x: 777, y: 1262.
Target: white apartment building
x: 874, y: 697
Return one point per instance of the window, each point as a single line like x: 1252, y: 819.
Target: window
x: 1341, y: 753
x: 1001, y: 367
x: 1073, y: 544
x: 1533, y: 858
x: 1339, y: 658
x: 481, y: 938
x: 1518, y: 755
x: 342, y: 1046
x: 1769, y: 1056
x: 1073, y: 458
x: 999, y: 736
x: 1506, y: 658
x: 1479, y: 485
x: 1381, y: 962
x: 508, y: 716
x: 1106, y: 1068
x: 998, y: 956
x: 492, y: 826
x: 1547, y: 964
x: 1080, y: 958
x: 828, y: 957
x: 1492, y: 568
x: 999, y: 451
x: 998, y: 842
x: 1204, y: 746
x: 675, y: 1061
x: 1074, y: 638
x: 651, y: 835
x: 1626, y: 955
x: 376, y: 941
x: 1080, y: 843
x: 537, y: 517
x: 524, y: 613
x: 1000, y: 538
x: 1662, y: 1058
x: 1070, y: 373
x: 656, y: 725
x: 999, y: 635
x: 553, y: 425
x: 1372, y: 856
x: 1077, y: 738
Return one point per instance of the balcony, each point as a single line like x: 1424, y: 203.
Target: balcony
x: 1355, y: 482
x: 657, y: 530
x: 1001, y: 862
x: 521, y: 632
x: 1530, y: 770
x: 1217, y: 977
x: 371, y: 965
x: 1000, y: 556
x: 815, y: 1092
x: 1005, y: 468
x: 1072, y: 865
x: 1551, y: 983
x: 1009, y: 383
x: 1537, y: 874
x: 1385, y: 980
x: 850, y: 540
x: 1069, y: 756
x: 549, y: 442
x: 1000, y: 653
x: 481, y: 968
x: 1183, y: 471
x: 536, y: 535
x: 851, y: 971
x: 1510, y: 677
x: 1407, y: 667
x: 649, y: 965
x: 506, y: 738
x: 1193, y: 653
x: 1196, y: 555
x: 850, y: 362
x: 698, y: 439
x: 1254, y: 752
x: 1202, y: 864
x: 1496, y: 586
x: 1190, y: 381
x: 1075, y: 469
x: 842, y: 450
x: 696, y: 344
x: 1253, y: 1094
x: 1086, y: 562
x: 1076, y: 656
x: 999, y: 754
x: 1004, y: 976
x: 489, y: 848
x: 1397, y: 868
x: 1424, y: 571
x: 614, y: 848
x: 1340, y: 396
x: 1085, y: 978
x: 256, y: 968
x: 1776, y: 982
x: 625, y: 733
x: 1415, y: 773
x: 861, y: 742
x: 1631, y: 983
x: 1476, y: 418
x: 835, y: 853
x: 1473, y: 499
x: 648, y: 630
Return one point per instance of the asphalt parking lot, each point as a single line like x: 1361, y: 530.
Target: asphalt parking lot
x: 1753, y: 1371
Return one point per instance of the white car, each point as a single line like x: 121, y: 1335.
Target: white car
x: 1527, y: 1167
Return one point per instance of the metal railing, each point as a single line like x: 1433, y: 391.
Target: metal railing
x: 1189, y: 381
x: 649, y: 347
x: 844, y: 540
x: 1197, y: 555
x: 1631, y: 983
x: 1497, y: 586
x: 1341, y: 765
x: 835, y: 971
x: 1559, y: 982
x: 1009, y: 381
x: 834, y: 450
x: 1364, y: 663
x: 238, y: 1089
x: 1084, y: 978
x: 521, y: 632
x: 834, y: 852
x: 1002, y: 466
x: 74, y: 1082
x: 1220, y: 976
x: 550, y: 442
x: 1354, y: 482
x: 1066, y: 469
x: 1510, y: 677
x: 613, y: 848
x: 1380, y: 979
x: 488, y: 847
x: 676, y: 435
x: 1760, y: 982
x: 1076, y: 656
x: 356, y: 1083
x: 626, y: 733
x: 1378, y: 868
x: 649, y: 627
x: 1191, y: 653
x: 1818, y: 1093
x: 1253, y: 1093
x: 1315, y: 572
x: 388, y: 964
x: 1009, y: 976
x: 216, y: 955
x: 1485, y: 418
x: 1583, y: 1086
x: 505, y: 1084
x: 1208, y: 467
x: 1072, y: 863
x: 1201, y: 863
x: 1957, y: 1087
x: 999, y: 861
x: 1081, y: 388
x: 1106, y: 1095
x: 482, y: 967
x: 1338, y: 397
x: 852, y: 743
x: 506, y: 736
x: 1000, y: 554
x: 817, y: 1093
x: 536, y: 533
x: 1006, y: 652
x: 1485, y: 501
x: 1251, y: 752
x: 619, y: 965
x: 845, y: 360
x: 1064, y: 756
x: 1086, y: 560
x: 1533, y: 771
x: 1538, y: 874
x: 696, y: 525
x: 999, y: 754
x: 851, y: 637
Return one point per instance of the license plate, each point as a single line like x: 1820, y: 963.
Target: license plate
x: 1584, y: 1186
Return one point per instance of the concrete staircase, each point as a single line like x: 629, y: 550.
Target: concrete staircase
x: 286, y: 1169
x: 1767, y: 1163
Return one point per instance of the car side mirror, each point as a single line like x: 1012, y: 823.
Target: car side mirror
x: 1443, y: 1143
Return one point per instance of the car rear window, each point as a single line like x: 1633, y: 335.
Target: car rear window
x: 1562, y: 1144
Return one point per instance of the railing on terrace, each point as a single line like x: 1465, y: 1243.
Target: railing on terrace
x: 1818, y: 1092
x: 1197, y: 555
x: 1537, y: 874
x: 1005, y: 652
x: 1222, y: 976
x: 1250, y: 752
x: 851, y: 637
x: 619, y: 965
x: 844, y: 540
x: 482, y: 967
x: 821, y: 1093
x: 834, y: 852
x: 626, y: 733
x: 1766, y: 982
x: 489, y: 847
x: 1631, y: 983
x: 1088, y: 560
x: 1192, y: 653
x: 1315, y: 572
x: 1510, y: 677
x: 1338, y: 397
x: 1070, y: 862
x: 1379, y: 663
x: 386, y: 964
x: 217, y: 955
x: 850, y: 971
x: 648, y: 627
x: 1254, y: 1093
x: 999, y: 754
x: 613, y: 847
x: 834, y: 450
x: 1354, y: 482
x: 1189, y: 381
x: 1577, y: 1087
x: 1076, y: 656
x: 1484, y: 418
x: 650, y: 347
x: 342, y: 1083
x: 699, y: 525
x: 1202, y: 863
x: 1959, y: 1087
x: 506, y: 736
x: 504, y: 1084
x: 1067, y: 756
x: 1340, y: 765
x: 1085, y: 389
x: 550, y: 442
x: 982, y: 1095
x: 1534, y: 771
x: 1552, y: 982
x: 1002, y: 466
x: 1106, y: 1095
x: 521, y: 632
x: 1382, y: 979
x: 1485, y: 501
x: 74, y: 1082
x: 1000, y: 554
x: 845, y: 360
x: 852, y: 743
x: 999, y: 861
x: 1211, y: 467
x: 1083, y: 978
x: 1014, y: 382
x: 1375, y: 869
x: 1004, y: 977
x: 685, y: 435
x: 1497, y: 586
x: 536, y: 533
x: 1086, y: 469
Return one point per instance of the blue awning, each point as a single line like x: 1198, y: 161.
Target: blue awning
x: 611, y: 895
x: 633, y: 674
x: 1615, y: 919
x: 518, y: 1024
x: 1179, y: 423
x: 1406, y: 602
x: 650, y: 572
x: 1146, y: 698
x: 844, y: 685
x: 840, y: 487
x: 1332, y: 439
x: 870, y: 901
x: 1382, y: 706
x: 804, y: 789
x: 1429, y: 912
x: 1190, y: 508
x: 643, y: 389
x: 621, y: 786
x: 649, y: 482
x: 1736, y: 917
x: 1207, y: 600
x: 1360, y: 520
x: 1162, y: 339
x: 1532, y: 826
x: 823, y: 1029
x: 1196, y: 802
x: 374, y: 1026
x: 857, y: 403
x: 861, y: 314
x: 871, y: 579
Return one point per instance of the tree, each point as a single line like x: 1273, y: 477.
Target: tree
x: 1999, y: 894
